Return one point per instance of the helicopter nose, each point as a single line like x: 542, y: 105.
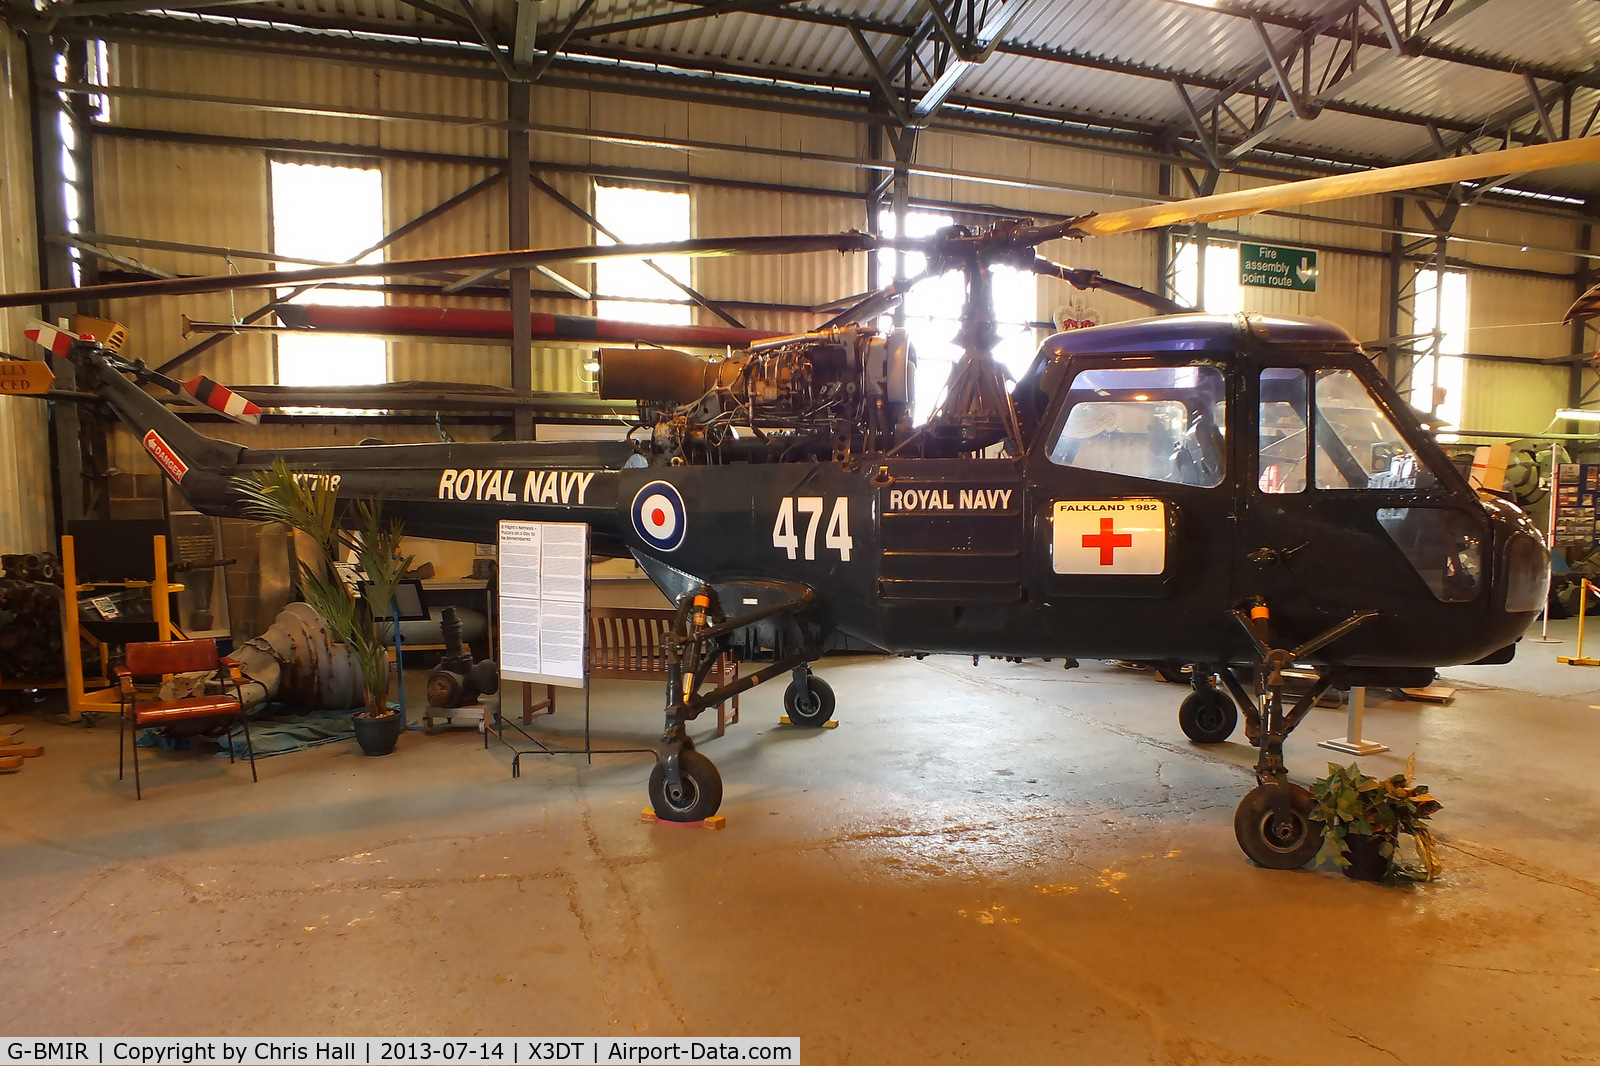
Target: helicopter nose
x: 1527, y: 571
x: 1525, y: 566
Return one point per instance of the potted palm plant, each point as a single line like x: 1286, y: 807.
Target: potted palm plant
x: 1365, y: 818
x: 310, y: 506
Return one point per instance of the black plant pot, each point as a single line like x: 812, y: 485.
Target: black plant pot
x: 378, y: 736
x: 1366, y: 861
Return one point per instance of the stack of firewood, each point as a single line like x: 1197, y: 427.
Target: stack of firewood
x: 30, y: 618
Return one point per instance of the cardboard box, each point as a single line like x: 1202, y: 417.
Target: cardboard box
x: 1489, y: 464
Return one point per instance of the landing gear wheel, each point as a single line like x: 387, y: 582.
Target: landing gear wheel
x: 1273, y: 825
x: 701, y: 794
x: 809, y: 709
x: 1208, y: 717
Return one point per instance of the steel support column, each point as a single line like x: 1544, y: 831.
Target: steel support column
x: 872, y: 194
x: 518, y: 187
x: 1166, y: 279
x: 905, y: 147
x: 1394, y: 281
x: 1582, y: 279
x: 56, y: 261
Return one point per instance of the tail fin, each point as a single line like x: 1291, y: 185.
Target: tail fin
x: 176, y: 446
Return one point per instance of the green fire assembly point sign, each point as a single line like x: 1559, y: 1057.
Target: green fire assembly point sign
x: 1270, y: 266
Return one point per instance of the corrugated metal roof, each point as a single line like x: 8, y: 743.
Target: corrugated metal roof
x: 1549, y: 32
x: 1161, y: 39
x: 1333, y: 132
x: 1438, y: 87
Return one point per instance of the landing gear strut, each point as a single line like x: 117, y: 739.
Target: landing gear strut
x: 684, y: 785
x: 1273, y: 822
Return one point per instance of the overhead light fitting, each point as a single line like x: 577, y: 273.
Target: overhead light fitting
x: 1579, y: 415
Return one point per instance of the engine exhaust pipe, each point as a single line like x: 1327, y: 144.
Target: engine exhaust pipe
x: 663, y: 375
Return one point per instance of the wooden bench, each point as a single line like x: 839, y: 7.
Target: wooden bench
x: 625, y: 645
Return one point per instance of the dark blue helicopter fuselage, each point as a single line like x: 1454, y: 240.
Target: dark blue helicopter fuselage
x: 1280, y: 488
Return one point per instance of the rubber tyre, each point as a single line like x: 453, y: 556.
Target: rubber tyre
x: 812, y: 712
x: 1274, y: 828
x: 702, y: 789
x: 1208, y: 717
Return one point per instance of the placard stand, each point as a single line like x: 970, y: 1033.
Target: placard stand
x: 544, y: 623
x: 1351, y: 743
x: 1544, y: 636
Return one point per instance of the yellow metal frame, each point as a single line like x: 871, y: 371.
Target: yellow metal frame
x: 104, y: 697
x: 1583, y: 605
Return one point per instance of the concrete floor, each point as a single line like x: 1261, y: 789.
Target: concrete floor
x: 981, y: 864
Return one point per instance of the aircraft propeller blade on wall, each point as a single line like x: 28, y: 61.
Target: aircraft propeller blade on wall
x: 1344, y: 186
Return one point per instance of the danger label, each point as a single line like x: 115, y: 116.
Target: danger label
x: 1109, y: 537
x: 164, y: 456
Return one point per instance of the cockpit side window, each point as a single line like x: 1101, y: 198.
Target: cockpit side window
x: 1156, y: 423
x: 1281, y: 449
x: 1358, y: 447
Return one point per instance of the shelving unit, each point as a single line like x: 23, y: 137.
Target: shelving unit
x: 103, y: 696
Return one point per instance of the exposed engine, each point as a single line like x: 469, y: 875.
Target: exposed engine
x: 813, y: 396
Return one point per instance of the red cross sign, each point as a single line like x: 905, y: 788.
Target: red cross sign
x: 1108, y: 541
x: 1109, y: 536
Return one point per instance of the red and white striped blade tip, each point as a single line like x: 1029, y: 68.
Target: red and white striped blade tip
x: 216, y: 396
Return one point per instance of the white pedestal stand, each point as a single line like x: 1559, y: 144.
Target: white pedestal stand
x: 1544, y: 636
x: 1351, y: 743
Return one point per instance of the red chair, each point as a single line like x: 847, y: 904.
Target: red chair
x: 151, y: 659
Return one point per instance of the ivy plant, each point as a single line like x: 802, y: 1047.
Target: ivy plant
x: 1350, y: 803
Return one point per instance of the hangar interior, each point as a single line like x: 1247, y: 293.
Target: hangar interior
x: 989, y: 859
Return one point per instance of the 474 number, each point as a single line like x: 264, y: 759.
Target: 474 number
x: 836, y: 536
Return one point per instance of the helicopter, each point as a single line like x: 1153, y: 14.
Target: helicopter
x: 1244, y: 494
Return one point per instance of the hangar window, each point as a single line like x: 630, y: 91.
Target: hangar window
x: 1446, y: 308
x: 1223, y: 295
x: 933, y: 310
x: 328, y: 214
x: 1157, y: 423
x: 638, y: 293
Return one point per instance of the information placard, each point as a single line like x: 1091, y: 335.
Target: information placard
x: 1577, y: 503
x: 544, y: 601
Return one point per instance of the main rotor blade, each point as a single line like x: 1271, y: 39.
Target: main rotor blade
x: 394, y: 320
x: 480, y: 261
x: 1344, y: 186
x: 1093, y: 279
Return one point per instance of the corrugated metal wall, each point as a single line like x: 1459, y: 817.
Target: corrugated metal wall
x: 217, y: 195
x: 25, y: 515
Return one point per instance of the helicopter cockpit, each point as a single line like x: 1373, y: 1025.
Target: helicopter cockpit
x: 1159, y: 423
x: 1290, y: 471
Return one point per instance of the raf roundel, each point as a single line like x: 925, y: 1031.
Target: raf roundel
x: 658, y: 516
